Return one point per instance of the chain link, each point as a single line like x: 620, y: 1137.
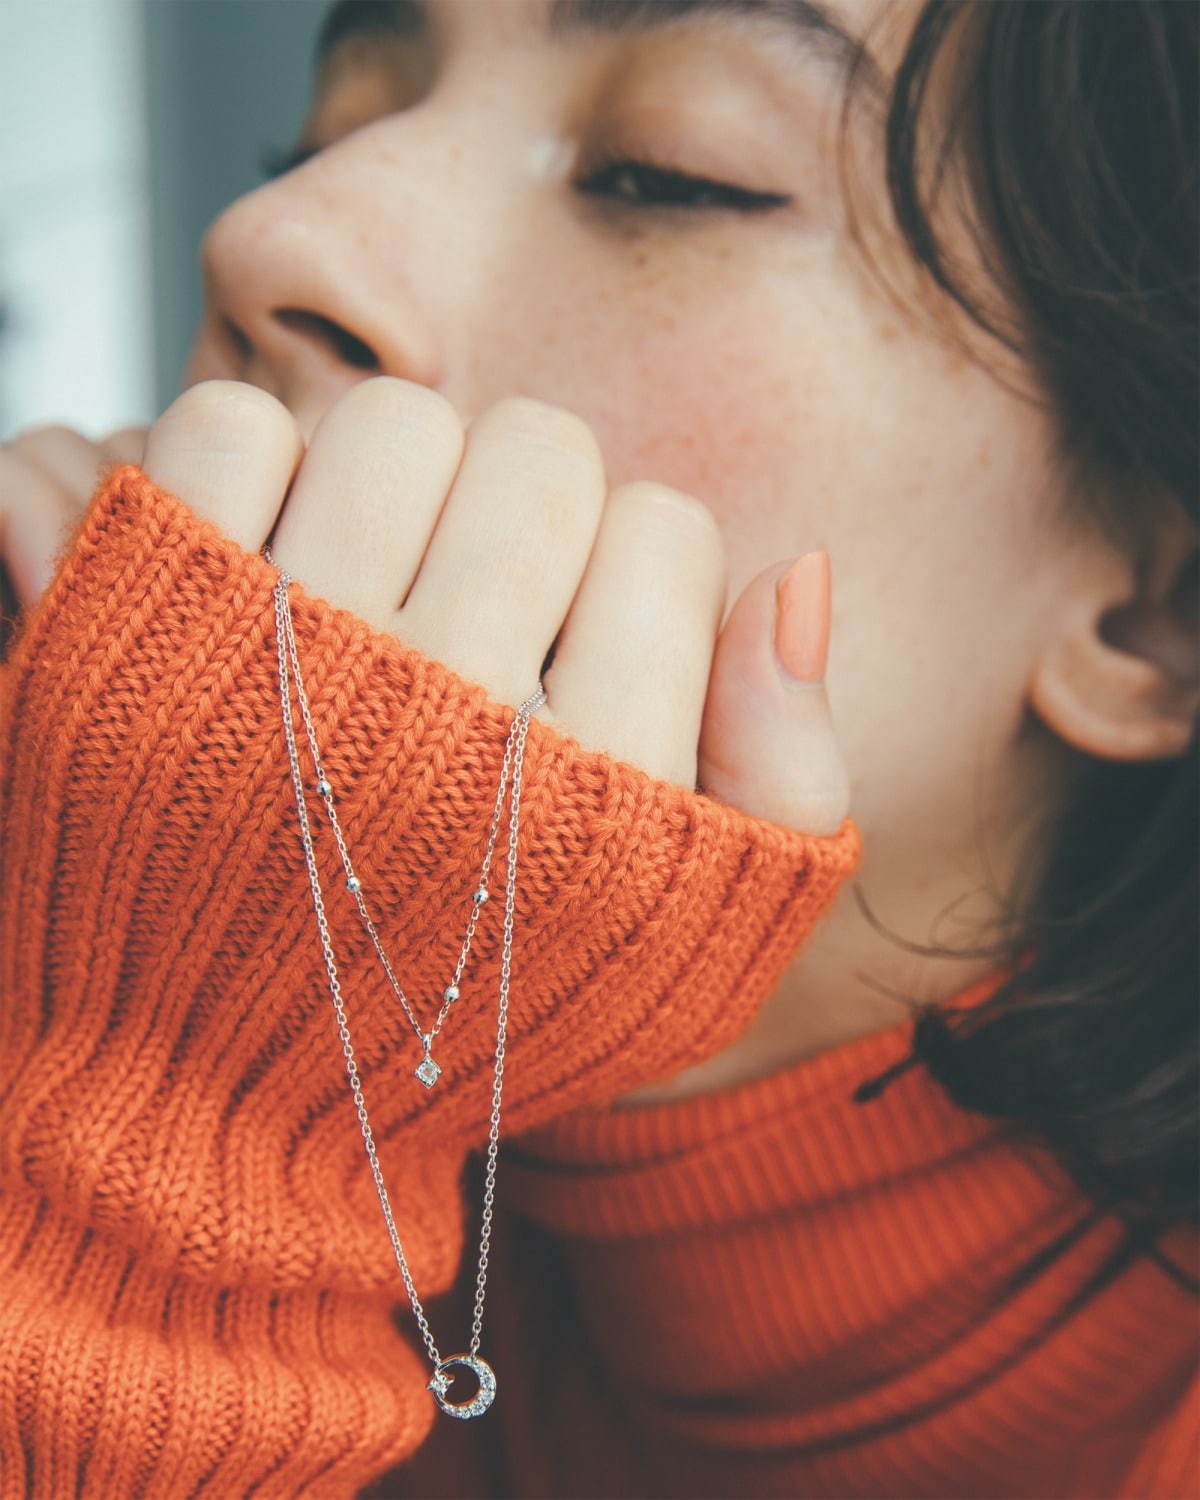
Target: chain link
x: 286, y: 646
x: 485, y: 1231
x: 425, y: 1038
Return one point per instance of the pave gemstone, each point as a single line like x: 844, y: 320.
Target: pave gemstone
x: 482, y: 1399
x: 428, y: 1071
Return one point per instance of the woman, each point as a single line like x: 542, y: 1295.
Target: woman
x: 566, y: 332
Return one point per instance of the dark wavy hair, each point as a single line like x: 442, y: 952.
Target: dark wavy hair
x: 1077, y: 124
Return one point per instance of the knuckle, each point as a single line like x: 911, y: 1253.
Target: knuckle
x: 649, y: 497
x: 45, y: 435
x: 546, y: 425
x: 223, y: 414
x: 43, y: 444
x: 233, y: 399
x: 415, y: 407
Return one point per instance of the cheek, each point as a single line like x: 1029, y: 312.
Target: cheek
x: 689, y: 375
x: 800, y: 414
x: 805, y: 416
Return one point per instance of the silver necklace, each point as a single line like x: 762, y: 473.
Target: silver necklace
x: 427, y: 1071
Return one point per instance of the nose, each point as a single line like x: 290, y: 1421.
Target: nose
x: 292, y: 302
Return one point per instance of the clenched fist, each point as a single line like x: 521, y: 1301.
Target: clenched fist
x: 494, y: 548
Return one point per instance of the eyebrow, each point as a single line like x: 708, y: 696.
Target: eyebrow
x: 812, y: 25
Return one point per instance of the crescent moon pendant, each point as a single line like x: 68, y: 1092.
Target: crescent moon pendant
x: 483, y: 1398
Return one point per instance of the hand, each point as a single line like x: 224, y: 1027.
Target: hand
x: 47, y: 475
x: 495, y: 547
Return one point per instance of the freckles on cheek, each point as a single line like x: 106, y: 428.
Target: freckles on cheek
x: 735, y: 376
x: 695, y: 425
x: 714, y: 403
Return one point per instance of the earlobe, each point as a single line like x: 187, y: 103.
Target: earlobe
x: 1122, y: 680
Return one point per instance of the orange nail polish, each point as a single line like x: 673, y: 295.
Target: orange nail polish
x: 802, y: 617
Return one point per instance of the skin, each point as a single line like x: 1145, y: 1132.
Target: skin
x: 666, y: 407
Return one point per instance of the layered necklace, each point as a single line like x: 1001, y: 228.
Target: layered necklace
x: 427, y: 1071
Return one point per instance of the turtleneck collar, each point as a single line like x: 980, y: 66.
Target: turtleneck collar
x: 683, y: 1162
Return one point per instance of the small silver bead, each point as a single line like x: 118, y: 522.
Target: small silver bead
x: 481, y: 894
x: 354, y: 883
x: 450, y: 992
x: 323, y: 787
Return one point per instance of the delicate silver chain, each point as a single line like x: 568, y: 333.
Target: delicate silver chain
x: 355, y: 885
x: 514, y: 750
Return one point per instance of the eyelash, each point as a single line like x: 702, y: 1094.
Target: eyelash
x: 612, y: 168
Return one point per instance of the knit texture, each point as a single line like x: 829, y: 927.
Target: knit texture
x: 777, y: 1291
x: 198, y: 1287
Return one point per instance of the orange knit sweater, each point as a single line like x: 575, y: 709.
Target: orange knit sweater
x: 770, y: 1291
x: 779, y: 1292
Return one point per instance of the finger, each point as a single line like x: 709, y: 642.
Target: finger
x: 74, y: 462
x: 36, y: 516
x: 227, y: 450
x: 510, y: 546
x: 126, y: 445
x: 632, y: 664
x: 767, y: 742
x: 368, y: 494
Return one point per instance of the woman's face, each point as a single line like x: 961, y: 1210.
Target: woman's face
x: 459, y: 227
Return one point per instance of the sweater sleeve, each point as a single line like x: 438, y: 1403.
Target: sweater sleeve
x: 201, y: 1297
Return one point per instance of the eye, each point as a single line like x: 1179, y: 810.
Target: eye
x: 645, y: 184
x: 273, y: 162
x: 632, y: 183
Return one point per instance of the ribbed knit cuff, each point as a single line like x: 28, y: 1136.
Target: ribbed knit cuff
x: 171, y: 1072
x: 157, y: 908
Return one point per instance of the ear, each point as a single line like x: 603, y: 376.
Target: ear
x: 1119, y: 672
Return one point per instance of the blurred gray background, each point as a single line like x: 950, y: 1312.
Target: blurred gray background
x: 125, y: 126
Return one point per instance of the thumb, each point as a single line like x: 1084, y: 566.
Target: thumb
x: 767, y: 743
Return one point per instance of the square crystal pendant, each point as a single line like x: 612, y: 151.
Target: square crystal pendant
x: 428, y: 1071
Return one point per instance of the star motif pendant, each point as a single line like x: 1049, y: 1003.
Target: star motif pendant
x: 485, y: 1395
